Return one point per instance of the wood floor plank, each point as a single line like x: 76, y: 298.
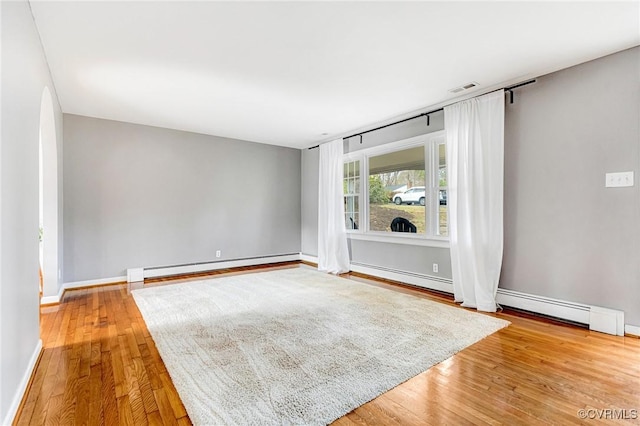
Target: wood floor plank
x: 82, y: 401
x: 135, y: 395
x: 96, y: 408
x: 29, y: 406
x: 109, y: 402
x: 172, y: 395
x: 151, y: 366
x: 54, y: 411
x: 146, y: 391
x: 164, y: 407
x: 100, y: 366
x: 125, y: 414
x: 154, y: 418
x: 67, y: 412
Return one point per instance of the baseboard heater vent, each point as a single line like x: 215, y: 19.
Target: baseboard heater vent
x: 574, y: 312
x: 413, y: 278
x: 140, y: 274
x: 598, y: 319
x: 605, y: 320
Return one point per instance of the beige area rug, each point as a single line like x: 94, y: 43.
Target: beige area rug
x: 295, y: 346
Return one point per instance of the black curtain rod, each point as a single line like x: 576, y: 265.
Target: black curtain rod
x: 506, y: 89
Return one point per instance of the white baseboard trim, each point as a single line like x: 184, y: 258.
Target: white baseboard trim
x: 51, y: 300
x: 308, y: 258
x: 633, y: 330
x: 91, y: 283
x: 420, y: 280
x: 22, y: 387
x: 212, y: 266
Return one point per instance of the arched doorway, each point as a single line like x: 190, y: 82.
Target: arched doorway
x: 49, y: 198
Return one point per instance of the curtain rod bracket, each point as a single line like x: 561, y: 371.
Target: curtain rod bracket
x: 360, y: 138
x: 510, y: 96
x: 428, y: 120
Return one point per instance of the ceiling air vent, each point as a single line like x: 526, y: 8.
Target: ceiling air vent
x: 464, y: 87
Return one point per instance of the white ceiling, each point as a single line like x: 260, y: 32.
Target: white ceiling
x: 296, y: 74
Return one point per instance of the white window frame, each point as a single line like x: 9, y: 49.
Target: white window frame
x: 430, y: 238
x: 357, y: 193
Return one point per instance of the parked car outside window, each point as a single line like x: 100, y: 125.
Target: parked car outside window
x: 414, y: 195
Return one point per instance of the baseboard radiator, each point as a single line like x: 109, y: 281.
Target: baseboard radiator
x: 140, y: 274
x: 605, y: 320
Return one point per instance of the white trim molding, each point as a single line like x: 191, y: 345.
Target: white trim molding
x: 91, y: 283
x: 163, y: 271
x: 389, y: 238
x: 632, y: 330
x: 309, y: 258
x: 22, y: 387
x: 52, y: 300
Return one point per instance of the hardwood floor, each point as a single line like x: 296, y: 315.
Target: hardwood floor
x: 99, y: 366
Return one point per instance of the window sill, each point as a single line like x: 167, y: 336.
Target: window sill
x: 396, y: 239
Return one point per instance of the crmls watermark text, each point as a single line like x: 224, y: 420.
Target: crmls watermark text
x: 608, y: 414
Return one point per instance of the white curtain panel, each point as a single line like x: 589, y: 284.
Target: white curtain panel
x: 475, y: 171
x: 333, y: 253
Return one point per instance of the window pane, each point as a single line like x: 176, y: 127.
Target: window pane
x: 443, y: 228
x: 442, y: 165
x: 351, y: 194
x: 397, y: 195
x: 351, y: 212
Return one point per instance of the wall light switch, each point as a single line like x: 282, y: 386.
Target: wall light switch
x: 618, y: 180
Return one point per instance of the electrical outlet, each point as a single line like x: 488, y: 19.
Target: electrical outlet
x: 435, y: 267
x: 218, y: 253
x: 617, y: 180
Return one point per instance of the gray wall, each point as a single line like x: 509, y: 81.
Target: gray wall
x: 139, y: 196
x: 24, y: 76
x: 566, y: 235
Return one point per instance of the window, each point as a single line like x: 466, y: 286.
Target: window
x: 351, y: 188
x: 404, y: 193
x: 397, y: 190
x: 443, y: 229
